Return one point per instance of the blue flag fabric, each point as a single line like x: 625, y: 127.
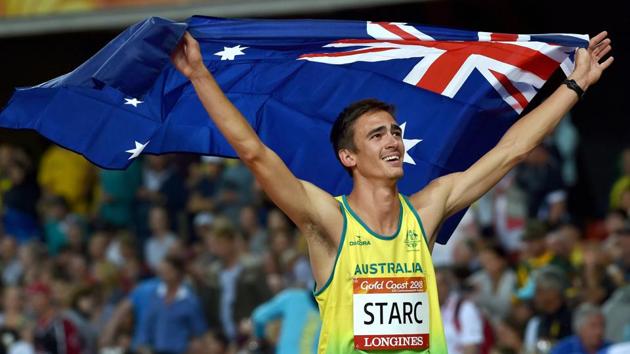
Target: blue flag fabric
x: 456, y: 92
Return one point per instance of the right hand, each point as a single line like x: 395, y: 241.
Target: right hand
x: 187, y: 58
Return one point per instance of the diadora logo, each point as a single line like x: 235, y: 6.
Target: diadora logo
x: 359, y: 242
x: 412, y: 240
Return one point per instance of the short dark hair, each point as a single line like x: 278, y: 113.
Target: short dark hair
x: 177, y: 263
x: 342, y: 133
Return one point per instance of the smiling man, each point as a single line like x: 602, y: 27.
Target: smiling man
x: 369, y: 250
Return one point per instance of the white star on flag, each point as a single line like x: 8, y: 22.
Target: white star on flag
x: 133, y: 101
x: 408, y: 143
x: 135, y: 152
x: 229, y: 53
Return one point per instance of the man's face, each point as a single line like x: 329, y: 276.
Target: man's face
x: 547, y: 300
x: 623, y: 240
x: 535, y: 248
x: 591, y: 332
x: 379, y: 148
x: 38, y: 303
x: 167, y: 273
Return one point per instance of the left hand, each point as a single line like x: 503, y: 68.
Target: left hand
x: 588, y: 68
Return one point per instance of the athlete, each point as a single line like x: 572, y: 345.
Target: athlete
x: 369, y: 250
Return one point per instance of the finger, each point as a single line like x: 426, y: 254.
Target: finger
x: 598, y: 38
x: 603, y: 52
x: 190, y: 40
x: 597, y: 52
x: 606, y: 63
x: 600, y: 45
x: 177, y: 49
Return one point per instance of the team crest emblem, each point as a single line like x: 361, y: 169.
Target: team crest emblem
x: 412, y: 241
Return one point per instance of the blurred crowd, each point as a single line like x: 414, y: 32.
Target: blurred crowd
x: 185, y: 254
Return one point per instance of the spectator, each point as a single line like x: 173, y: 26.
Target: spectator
x: 13, y: 317
x: 617, y: 313
x: 53, y: 333
x: 615, y: 220
x: 174, y: 317
x: 553, y: 320
x: 97, y: 249
x: 589, y: 327
x: 9, y: 261
x: 203, y: 184
x: 285, y: 263
x: 463, y: 324
x: 251, y: 229
x: 595, y: 283
x: 19, y: 216
x: 68, y: 175
x: 116, y: 197
x: 134, y: 306
x: 235, y: 190
x: 494, y: 284
x: 202, y: 224
x: 504, y: 209
x: 83, y: 312
x: 536, y: 255
x: 56, y: 211
x: 620, y: 270
x: 162, y: 238
x: 299, y: 331
x: 540, y: 177
x: 162, y: 185
x: 234, y: 284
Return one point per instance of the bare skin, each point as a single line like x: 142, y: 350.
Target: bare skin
x: 374, y: 196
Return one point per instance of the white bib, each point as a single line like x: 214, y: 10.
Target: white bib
x: 390, y: 313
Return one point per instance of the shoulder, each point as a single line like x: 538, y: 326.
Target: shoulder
x: 564, y: 345
x: 468, y: 311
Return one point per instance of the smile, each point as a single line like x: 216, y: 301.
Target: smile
x: 391, y: 158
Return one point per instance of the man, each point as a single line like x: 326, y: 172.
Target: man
x: 173, y: 320
x: 300, y: 326
x: 53, y: 333
x: 232, y: 286
x: 536, y: 255
x: 589, y: 327
x: 361, y: 244
x: 553, y: 319
x: 136, y: 304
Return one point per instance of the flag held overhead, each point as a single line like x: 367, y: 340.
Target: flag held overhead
x: 456, y: 92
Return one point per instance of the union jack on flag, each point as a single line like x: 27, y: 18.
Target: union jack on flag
x: 515, y: 65
x: 456, y: 91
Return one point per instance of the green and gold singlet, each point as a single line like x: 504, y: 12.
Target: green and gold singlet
x: 381, y: 295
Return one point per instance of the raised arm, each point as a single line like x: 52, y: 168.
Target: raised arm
x: 449, y: 194
x: 308, y: 206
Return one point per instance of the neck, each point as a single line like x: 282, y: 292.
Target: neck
x: 172, y: 286
x: 377, y: 204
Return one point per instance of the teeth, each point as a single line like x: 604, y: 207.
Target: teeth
x: 390, y: 158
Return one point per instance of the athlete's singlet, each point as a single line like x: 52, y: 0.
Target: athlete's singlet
x: 381, y: 295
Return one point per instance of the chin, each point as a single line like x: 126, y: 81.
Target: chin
x: 396, y: 173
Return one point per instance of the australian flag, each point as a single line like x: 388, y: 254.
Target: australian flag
x: 456, y: 91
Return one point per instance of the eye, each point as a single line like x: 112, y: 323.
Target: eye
x: 396, y: 133
x: 377, y: 135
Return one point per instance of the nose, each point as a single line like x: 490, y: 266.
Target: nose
x: 392, y: 142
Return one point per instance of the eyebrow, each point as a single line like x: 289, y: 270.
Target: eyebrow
x: 380, y: 129
x: 396, y: 127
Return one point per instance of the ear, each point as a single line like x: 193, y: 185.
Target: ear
x: 347, y: 158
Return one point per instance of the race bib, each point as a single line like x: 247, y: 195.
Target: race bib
x: 390, y: 313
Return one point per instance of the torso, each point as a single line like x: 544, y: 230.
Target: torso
x: 367, y: 264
